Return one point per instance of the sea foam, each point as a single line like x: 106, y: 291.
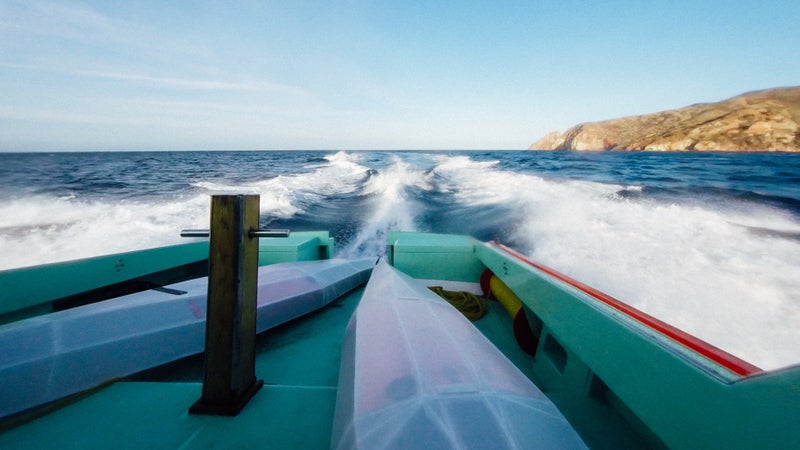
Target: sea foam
x: 696, y: 266
x: 391, y: 207
x: 38, y: 229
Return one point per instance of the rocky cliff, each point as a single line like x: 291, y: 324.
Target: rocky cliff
x: 757, y: 121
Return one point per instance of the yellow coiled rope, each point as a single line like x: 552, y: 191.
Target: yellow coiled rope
x: 473, y: 307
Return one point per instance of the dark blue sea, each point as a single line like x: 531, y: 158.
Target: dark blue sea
x: 709, y: 242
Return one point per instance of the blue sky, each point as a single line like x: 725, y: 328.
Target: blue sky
x: 351, y: 75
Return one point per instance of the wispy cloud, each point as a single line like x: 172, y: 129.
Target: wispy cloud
x: 184, y: 83
x: 93, y: 39
x: 170, y: 82
x: 57, y: 116
x: 57, y: 19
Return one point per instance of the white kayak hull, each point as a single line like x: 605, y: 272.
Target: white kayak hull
x: 49, y: 357
x: 415, y: 373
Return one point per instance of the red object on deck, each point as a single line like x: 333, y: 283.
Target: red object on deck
x: 719, y: 356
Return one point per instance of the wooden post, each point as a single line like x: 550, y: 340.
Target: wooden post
x: 230, y: 380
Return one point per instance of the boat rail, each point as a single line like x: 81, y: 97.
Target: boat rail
x: 709, y: 351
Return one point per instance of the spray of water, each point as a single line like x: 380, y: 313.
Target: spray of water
x: 391, y: 206
x: 698, y: 267
x: 38, y: 230
x: 287, y: 195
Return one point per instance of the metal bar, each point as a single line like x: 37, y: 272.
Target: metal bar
x: 195, y: 233
x: 269, y: 233
x: 252, y: 233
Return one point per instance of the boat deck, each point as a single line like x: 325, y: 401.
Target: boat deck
x: 299, y: 363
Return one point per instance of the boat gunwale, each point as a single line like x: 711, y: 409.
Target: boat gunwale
x: 715, y: 354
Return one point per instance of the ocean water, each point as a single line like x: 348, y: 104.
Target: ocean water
x: 707, y: 242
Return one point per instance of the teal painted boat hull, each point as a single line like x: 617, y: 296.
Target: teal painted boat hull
x: 620, y: 379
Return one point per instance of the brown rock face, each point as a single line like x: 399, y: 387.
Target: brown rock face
x: 550, y: 141
x: 757, y: 121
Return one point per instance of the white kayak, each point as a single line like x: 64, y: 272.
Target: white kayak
x: 415, y: 373
x: 48, y: 357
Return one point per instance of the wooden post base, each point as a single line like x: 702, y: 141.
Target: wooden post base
x: 228, y: 408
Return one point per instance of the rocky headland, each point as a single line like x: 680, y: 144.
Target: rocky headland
x: 756, y: 121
